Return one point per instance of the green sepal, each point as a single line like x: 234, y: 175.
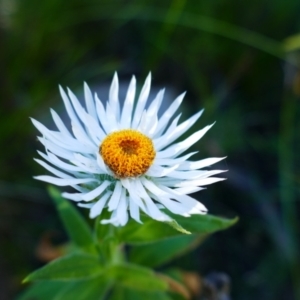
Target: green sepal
x: 70, y: 267
x: 75, y: 225
x: 163, y: 251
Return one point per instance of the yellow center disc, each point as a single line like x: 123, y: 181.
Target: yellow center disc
x: 128, y: 153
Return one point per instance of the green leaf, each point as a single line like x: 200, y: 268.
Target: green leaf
x: 178, y: 227
x: 204, y: 224
x: 152, y: 230
x: 122, y: 293
x: 136, y: 277
x: 149, y: 231
x: 73, y: 266
x: 95, y: 288
x: 75, y: 225
x: 44, y: 290
x: 163, y: 251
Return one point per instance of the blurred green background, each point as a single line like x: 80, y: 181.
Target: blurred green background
x: 238, y: 60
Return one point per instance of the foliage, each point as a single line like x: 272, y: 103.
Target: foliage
x: 239, y: 62
x: 109, y: 268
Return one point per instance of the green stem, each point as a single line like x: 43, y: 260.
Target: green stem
x: 109, y: 248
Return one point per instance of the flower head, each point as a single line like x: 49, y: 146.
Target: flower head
x: 125, y: 160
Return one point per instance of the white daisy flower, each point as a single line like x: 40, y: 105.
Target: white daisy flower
x: 123, y: 159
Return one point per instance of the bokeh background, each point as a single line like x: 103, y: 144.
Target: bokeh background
x: 238, y: 60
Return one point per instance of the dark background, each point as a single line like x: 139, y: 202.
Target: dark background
x: 239, y: 60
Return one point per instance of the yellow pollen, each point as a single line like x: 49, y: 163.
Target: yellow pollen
x: 128, y: 153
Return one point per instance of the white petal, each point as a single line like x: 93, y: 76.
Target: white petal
x: 150, y: 129
x: 99, y: 205
x: 188, y: 189
x: 114, y: 97
x: 59, y: 163
x: 173, y: 206
x: 118, y: 193
x: 162, y: 194
x: 83, y: 138
x: 52, y: 170
x: 169, y: 131
x: 157, y: 171
x: 152, y: 209
x: 95, y: 131
x: 151, y: 116
x: 210, y: 173
x: 72, y: 196
x: 180, y: 147
x: 96, y: 192
x: 87, y: 165
x: 129, y: 186
x: 193, y: 175
x: 59, y: 123
x: 76, y: 196
x: 193, y: 165
x: 80, y: 188
x: 56, y: 149
x: 188, y: 174
x: 168, y: 138
x: 143, y: 121
x: 102, y: 165
x: 189, y: 202
x: 122, y: 214
x: 89, y: 101
x: 165, y: 118
x: 77, y: 106
x: 173, y: 161
x: 200, y: 182
x: 128, y: 105
x: 85, y: 205
x: 149, y: 185
x: 155, y: 104
x: 70, y: 109
x: 167, y: 181
x: 113, y: 120
x: 134, y: 211
x: 141, y: 102
x: 102, y: 115
x: 64, y: 182
x: 61, y: 140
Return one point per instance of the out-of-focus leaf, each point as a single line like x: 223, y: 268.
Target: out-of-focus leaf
x: 95, y: 288
x: 122, y: 293
x: 135, y: 277
x: 45, y: 290
x: 152, y: 230
x: 292, y: 43
x: 73, y: 266
x: 155, y: 254
x: 77, y: 228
